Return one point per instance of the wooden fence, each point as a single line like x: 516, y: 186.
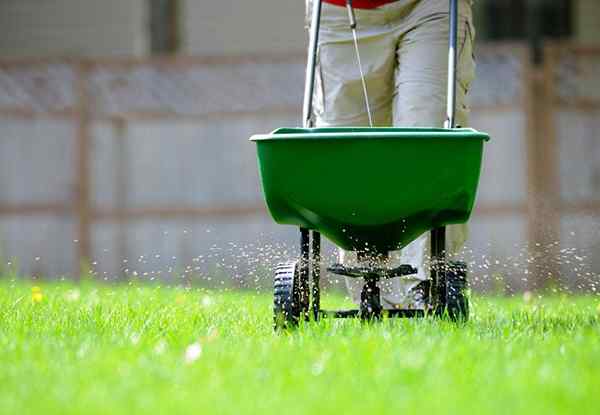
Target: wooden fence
x: 98, y: 146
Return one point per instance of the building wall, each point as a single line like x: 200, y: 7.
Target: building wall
x: 239, y: 27
x: 587, y: 21
x: 225, y: 27
x: 72, y: 28
x: 242, y: 27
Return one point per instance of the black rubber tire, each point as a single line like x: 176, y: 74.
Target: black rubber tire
x: 290, y: 296
x: 457, y: 300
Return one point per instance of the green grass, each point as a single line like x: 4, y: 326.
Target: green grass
x: 99, y: 349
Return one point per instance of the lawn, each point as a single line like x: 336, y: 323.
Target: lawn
x: 108, y: 349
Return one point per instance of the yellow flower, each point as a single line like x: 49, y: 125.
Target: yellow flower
x: 36, y: 294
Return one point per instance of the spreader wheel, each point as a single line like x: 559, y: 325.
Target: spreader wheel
x: 291, y: 295
x: 457, y: 301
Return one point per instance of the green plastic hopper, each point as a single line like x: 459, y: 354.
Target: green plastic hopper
x: 370, y: 188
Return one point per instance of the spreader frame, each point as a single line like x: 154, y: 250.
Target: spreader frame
x: 309, y: 273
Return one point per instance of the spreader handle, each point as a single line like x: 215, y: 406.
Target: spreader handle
x: 452, y: 64
x: 311, y: 63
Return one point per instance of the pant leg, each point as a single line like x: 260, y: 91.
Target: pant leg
x: 422, y: 66
x: 420, y: 101
x: 338, y: 99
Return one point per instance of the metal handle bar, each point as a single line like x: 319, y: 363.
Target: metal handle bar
x: 452, y: 64
x: 311, y: 64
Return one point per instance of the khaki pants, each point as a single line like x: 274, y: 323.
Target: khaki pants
x: 404, y: 52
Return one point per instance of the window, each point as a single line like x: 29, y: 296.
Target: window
x: 523, y: 19
x: 528, y: 20
x: 164, y: 30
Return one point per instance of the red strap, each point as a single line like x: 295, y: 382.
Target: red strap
x: 361, y: 4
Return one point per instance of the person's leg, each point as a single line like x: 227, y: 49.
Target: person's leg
x: 420, y: 101
x: 422, y: 67
x: 338, y: 99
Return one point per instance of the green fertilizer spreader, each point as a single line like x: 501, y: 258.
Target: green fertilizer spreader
x: 371, y: 190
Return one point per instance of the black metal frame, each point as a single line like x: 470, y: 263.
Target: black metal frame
x: 315, y: 272
x: 437, y: 291
x: 310, y: 275
x: 356, y: 313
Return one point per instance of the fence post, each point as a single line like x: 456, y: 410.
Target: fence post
x: 82, y: 171
x: 121, y: 191
x: 542, y: 172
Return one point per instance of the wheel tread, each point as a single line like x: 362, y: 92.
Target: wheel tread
x: 286, y: 295
x: 457, y: 301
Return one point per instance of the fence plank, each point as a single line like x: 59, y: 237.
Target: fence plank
x: 82, y: 202
x: 543, y: 186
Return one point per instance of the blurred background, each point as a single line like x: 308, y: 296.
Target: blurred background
x: 124, y: 128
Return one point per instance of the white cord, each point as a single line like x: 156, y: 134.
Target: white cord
x: 352, y: 18
x: 362, y: 78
